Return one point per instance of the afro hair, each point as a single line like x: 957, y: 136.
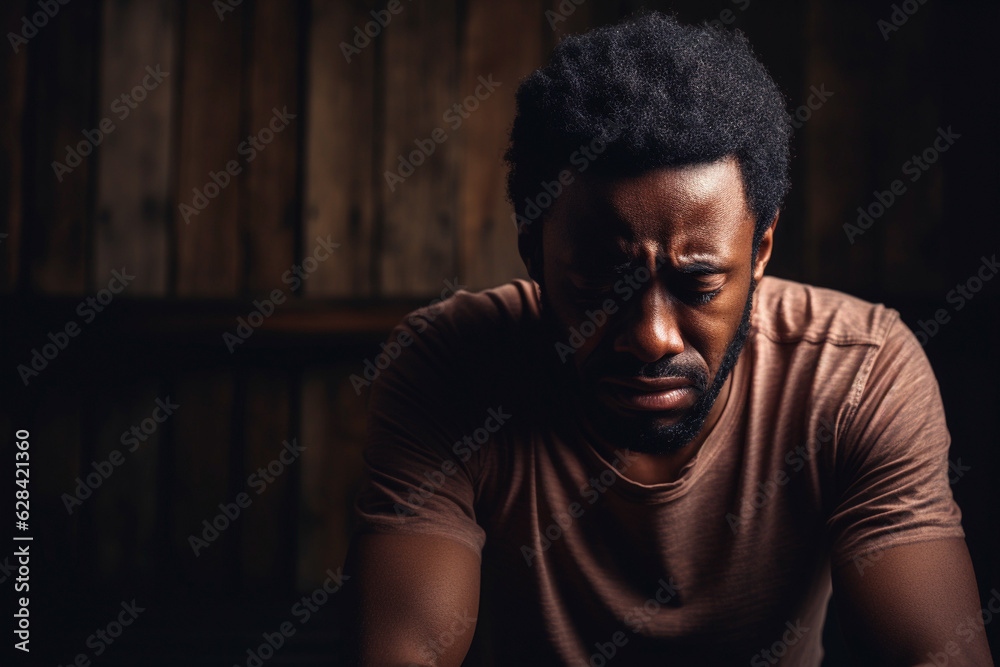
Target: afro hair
x: 651, y: 92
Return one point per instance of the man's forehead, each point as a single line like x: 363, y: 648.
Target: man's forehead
x: 689, y: 213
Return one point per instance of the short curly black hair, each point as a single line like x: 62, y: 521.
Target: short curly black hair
x: 652, y: 92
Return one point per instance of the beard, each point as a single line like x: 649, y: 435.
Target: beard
x: 641, y: 433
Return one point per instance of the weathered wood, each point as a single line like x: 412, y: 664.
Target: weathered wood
x: 208, y: 243
x: 62, y: 86
x: 267, y: 537
x: 838, y: 145
x: 125, y: 504
x: 202, y: 441
x: 13, y: 81
x: 486, y: 233
x: 138, y: 78
x: 418, y: 249
x: 339, y: 126
x: 270, y: 204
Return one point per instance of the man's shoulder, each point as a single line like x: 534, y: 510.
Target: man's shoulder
x: 463, y: 344
x: 786, y: 311
x: 494, y: 313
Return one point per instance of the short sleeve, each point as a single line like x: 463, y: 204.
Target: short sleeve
x: 893, y: 474
x: 420, y: 474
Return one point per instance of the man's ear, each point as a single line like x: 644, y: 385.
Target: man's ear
x: 764, y: 249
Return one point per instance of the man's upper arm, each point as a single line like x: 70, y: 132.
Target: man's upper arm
x: 417, y: 600
x: 416, y: 557
x: 916, y: 604
x: 901, y: 571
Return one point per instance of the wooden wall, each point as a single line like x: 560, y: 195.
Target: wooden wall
x: 323, y: 176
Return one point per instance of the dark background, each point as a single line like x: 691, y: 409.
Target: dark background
x: 323, y: 176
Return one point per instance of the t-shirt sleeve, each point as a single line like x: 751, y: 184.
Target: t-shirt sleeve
x: 893, y: 476
x: 420, y: 477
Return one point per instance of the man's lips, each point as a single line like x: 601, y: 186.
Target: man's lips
x: 669, y: 393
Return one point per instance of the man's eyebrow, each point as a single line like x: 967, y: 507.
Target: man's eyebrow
x: 697, y: 268
x: 700, y: 268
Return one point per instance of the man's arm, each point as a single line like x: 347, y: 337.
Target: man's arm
x: 913, y: 605
x: 415, y: 597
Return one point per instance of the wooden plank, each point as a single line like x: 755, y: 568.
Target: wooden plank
x: 333, y: 431
x: 487, y: 238
x: 62, y: 87
x: 130, y: 431
x: 838, y: 181
x: 267, y: 527
x: 208, y: 243
x: 201, y: 478
x: 910, y: 99
x: 13, y: 80
x: 338, y: 178
x: 270, y: 197
x: 133, y: 192
x: 418, y: 247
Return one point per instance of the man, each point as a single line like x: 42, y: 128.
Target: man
x: 651, y: 453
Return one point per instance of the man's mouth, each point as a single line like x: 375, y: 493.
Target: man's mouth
x: 650, y: 394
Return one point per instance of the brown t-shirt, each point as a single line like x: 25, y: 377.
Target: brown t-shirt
x: 832, y: 446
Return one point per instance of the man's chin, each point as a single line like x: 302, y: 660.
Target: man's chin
x: 648, y: 432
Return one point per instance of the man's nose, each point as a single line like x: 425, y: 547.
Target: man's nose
x: 651, y: 330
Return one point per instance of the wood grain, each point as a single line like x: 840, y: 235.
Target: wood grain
x: 339, y: 147
x: 487, y: 238
x: 418, y: 249
x: 270, y: 202
x: 13, y: 80
x: 208, y: 245
x: 133, y: 193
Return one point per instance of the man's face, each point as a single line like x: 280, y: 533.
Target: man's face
x: 647, y: 286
